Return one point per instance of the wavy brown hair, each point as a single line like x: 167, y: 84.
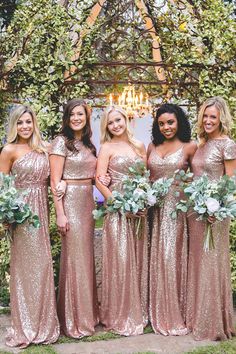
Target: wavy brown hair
x: 68, y: 133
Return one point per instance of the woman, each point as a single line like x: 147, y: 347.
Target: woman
x: 32, y: 295
x: 124, y: 271
x: 171, y: 149
x: 209, y: 301
x: 72, y: 158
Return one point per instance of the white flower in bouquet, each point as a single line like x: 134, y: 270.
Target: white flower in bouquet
x: 152, y: 199
x: 212, y: 205
x: 209, y: 199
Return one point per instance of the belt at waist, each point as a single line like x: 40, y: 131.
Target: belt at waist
x: 79, y: 182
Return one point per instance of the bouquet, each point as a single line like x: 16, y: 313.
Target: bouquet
x: 137, y: 193
x: 160, y: 188
x: 209, y: 198
x: 13, y: 209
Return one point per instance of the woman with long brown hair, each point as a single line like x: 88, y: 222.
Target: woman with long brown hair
x: 72, y: 159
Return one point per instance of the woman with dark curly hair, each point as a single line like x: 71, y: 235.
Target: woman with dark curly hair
x: 72, y: 158
x: 171, y: 149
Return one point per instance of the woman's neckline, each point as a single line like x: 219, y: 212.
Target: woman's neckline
x: 225, y: 138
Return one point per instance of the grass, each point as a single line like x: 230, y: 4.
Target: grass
x: 35, y: 349
x: 99, y: 223
x: 4, y: 311
x: 96, y: 337
x: 225, y: 347
x: 39, y: 349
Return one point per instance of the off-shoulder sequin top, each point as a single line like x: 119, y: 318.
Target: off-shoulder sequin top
x: 78, y: 165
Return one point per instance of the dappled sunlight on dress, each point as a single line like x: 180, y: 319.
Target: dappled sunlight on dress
x: 209, y: 300
x: 32, y: 293
x: 124, y: 265
x: 168, y: 256
x: 77, y: 298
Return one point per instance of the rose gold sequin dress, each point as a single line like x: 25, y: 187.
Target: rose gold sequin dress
x: 168, y: 259
x: 209, y: 300
x: 125, y: 268
x: 33, y: 304
x: 77, y: 298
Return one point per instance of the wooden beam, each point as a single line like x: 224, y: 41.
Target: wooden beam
x: 87, y: 28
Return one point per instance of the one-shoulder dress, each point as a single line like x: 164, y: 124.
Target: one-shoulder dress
x: 32, y: 293
x: 209, y: 296
x: 168, y: 255
x: 77, y: 298
x: 124, y: 265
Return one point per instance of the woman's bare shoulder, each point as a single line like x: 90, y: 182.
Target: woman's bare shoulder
x: 9, y: 149
x: 191, y: 147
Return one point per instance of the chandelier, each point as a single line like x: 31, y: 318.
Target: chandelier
x: 135, y: 104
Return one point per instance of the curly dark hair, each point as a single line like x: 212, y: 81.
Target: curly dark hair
x: 68, y: 133
x: 184, y: 130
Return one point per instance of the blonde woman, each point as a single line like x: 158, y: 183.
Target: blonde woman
x: 124, y: 272
x: 209, y: 296
x: 33, y: 306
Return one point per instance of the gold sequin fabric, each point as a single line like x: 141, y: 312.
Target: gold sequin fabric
x: 168, y: 255
x: 77, y: 298
x: 79, y: 164
x: 32, y: 293
x: 125, y: 267
x: 209, y: 297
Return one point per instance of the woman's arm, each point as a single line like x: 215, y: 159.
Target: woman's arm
x: 6, y: 159
x: 143, y: 152
x: 149, y: 149
x: 230, y: 167
x: 192, y: 148
x: 56, y: 172
x: 102, y: 167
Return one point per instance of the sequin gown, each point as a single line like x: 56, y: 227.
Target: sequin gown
x: 77, y: 298
x: 32, y: 293
x: 209, y: 300
x: 124, y: 266
x: 168, y: 255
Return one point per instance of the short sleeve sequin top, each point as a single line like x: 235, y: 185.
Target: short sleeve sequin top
x: 77, y: 165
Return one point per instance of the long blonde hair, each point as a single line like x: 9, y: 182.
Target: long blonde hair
x: 106, y: 135
x: 226, y: 119
x: 36, y: 143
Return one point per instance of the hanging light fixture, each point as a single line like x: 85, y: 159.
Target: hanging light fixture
x: 135, y: 103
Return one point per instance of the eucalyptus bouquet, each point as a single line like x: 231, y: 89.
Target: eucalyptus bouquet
x: 13, y: 209
x: 209, y: 198
x: 160, y: 188
x: 137, y: 193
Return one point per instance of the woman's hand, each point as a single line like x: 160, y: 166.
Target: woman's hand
x: 60, y: 190
x: 211, y: 219
x: 6, y: 226
x: 63, y: 224
x: 139, y: 214
x: 105, y: 179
